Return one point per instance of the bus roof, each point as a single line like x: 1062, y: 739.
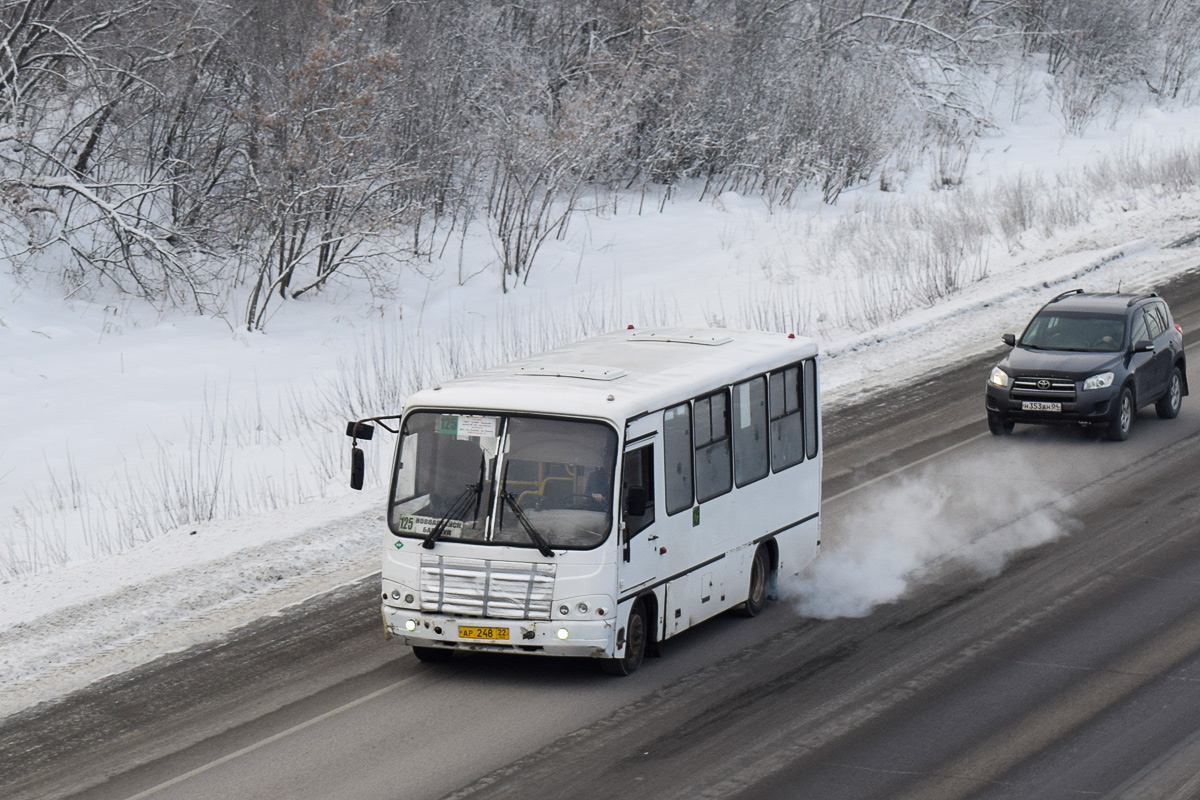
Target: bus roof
x: 620, y: 375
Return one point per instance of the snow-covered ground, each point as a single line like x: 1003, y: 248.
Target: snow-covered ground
x: 119, y: 424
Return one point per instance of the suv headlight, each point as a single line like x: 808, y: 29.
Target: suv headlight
x: 1101, y: 381
x: 1000, y: 378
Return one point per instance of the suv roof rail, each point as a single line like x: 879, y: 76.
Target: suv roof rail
x: 1140, y: 298
x: 1067, y: 294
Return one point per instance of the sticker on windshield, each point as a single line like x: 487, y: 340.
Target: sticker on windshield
x: 467, y: 426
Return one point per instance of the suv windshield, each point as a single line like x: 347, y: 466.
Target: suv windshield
x: 504, y: 479
x: 1075, y: 330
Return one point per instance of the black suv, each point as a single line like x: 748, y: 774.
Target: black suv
x: 1092, y: 359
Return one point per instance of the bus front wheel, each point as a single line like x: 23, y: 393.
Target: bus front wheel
x: 635, y: 644
x: 432, y: 655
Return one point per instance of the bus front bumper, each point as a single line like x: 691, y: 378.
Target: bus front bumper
x: 566, y: 637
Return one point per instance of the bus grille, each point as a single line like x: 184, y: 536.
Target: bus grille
x: 472, y: 587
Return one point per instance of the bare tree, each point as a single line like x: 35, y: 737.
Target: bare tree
x: 70, y: 71
x: 323, y: 175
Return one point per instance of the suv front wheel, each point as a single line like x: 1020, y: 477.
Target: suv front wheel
x: 1118, y: 429
x: 998, y: 425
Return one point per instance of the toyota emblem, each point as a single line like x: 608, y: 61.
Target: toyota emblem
x: 1043, y: 384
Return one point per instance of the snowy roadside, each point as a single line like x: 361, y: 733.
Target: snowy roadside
x: 61, y: 630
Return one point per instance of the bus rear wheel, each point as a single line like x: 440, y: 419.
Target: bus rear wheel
x: 635, y: 644
x: 756, y: 594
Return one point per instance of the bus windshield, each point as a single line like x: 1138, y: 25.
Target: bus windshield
x: 514, y: 480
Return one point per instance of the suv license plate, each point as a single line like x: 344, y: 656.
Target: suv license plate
x: 465, y: 632
x: 1033, y: 405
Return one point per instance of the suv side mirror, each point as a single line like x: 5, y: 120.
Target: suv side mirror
x: 1009, y: 339
x: 1143, y: 346
x: 636, y: 500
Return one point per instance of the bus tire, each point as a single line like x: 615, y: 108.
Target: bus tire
x: 756, y: 593
x: 432, y: 655
x: 636, y: 636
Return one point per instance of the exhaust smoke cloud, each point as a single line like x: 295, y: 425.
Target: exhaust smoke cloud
x: 904, y: 533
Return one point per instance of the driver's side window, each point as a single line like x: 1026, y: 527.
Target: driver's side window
x: 1139, y: 327
x: 1154, y: 325
x: 637, y: 482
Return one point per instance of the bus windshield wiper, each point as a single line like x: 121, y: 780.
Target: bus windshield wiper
x: 460, y: 505
x: 537, y: 538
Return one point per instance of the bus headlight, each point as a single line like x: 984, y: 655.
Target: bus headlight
x: 410, y: 625
x: 562, y: 633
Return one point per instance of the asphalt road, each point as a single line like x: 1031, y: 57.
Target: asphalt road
x: 1051, y: 650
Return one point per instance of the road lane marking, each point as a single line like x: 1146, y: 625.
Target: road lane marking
x: 271, y: 739
x: 907, y: 466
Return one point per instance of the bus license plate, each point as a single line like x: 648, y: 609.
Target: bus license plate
x: 1032, y: 405
x: 470, y: 632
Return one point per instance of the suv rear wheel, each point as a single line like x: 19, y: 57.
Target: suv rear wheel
x: 1118, y: 429
x: 1168, y: 405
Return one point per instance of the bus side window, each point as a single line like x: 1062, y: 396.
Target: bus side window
x: 714, y: 474
x: 677, y: 457
x: 637, y: 479
x: 750, y: 431
x: 787, y: 432
x: 810, y: 407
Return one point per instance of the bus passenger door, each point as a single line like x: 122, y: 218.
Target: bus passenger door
x: 640, y: 561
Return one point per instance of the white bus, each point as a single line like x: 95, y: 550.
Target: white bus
x: 602, y: 497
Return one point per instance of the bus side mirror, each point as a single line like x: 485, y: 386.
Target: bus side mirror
x: 357, y: 468
x: 636, y: 500
x: 360, y: 430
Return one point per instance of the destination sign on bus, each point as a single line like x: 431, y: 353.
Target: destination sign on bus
x: 423, y: 526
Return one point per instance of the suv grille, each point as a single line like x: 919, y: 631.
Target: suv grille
x: 1060, y: 389
x: 472, y: 587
